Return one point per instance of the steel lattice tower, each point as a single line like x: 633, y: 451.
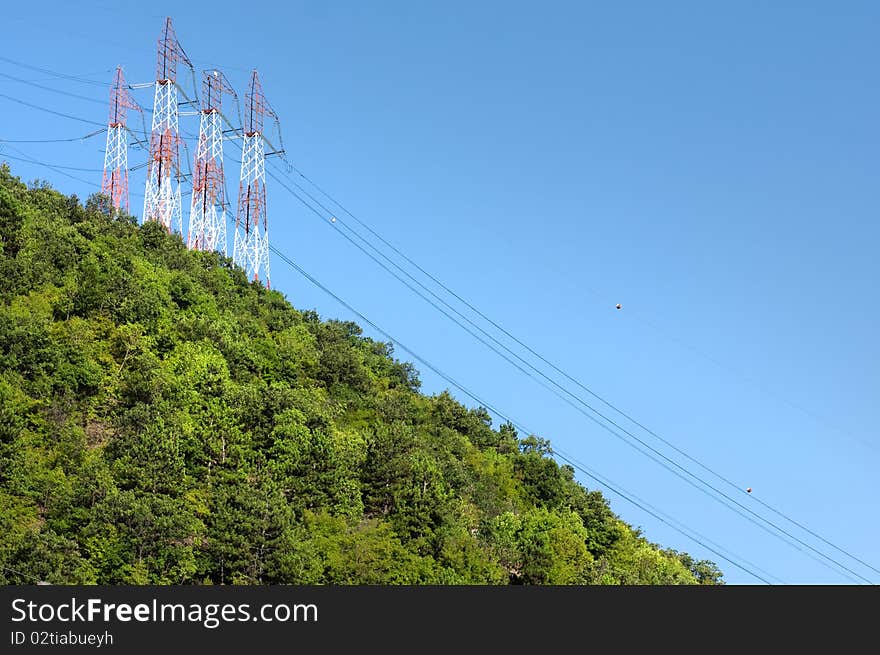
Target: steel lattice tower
x: 114, y: 184
x: 162, y: 198
x: 251, y: 249
x: 207, y: 216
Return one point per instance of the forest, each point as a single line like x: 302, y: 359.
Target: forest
x: 164, y: 421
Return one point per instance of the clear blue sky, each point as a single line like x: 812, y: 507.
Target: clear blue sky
x: 714, y: 169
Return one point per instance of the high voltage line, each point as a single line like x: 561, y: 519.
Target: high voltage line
x: 49, y: 88
x: 37, y: 162
x: 607, y: 483
x: 721, y: 477
x: 55, y: 74
x: 51, y: 111
x: 647, y: 507
x: 391, y: 246
x: 706, y: 489
x: 334, y: 220
x: 76, y: 138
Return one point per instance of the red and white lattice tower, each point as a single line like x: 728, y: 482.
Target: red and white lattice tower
x: 114, y: 184
x: 251, y: 248
x: 162, y: 198
x: 207, y: 215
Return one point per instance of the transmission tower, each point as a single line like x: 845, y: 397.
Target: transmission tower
x: 207, y: 216
x: 162, y: 198
x: 251, y: 249
x: 114, y: 184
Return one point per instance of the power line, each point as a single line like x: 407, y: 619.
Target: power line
x: 595, y: 293
x: 49, y: 88
x: 138, y: 142
x: 76, y: 78
x: 627, y: 416
x: 553, y: 366
x: 481, y: 402
x: 53, y: 167
x: 143, y: 110
x: 659, y: 515
x: 71, y: 168
x: 51, y: 111
x: 706, y: 486
x: 76, y: 138
x: 61, y: 169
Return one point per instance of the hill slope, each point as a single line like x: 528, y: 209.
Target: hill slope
x: 163, y: 421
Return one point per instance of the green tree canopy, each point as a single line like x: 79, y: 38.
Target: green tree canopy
x: 163, y: 421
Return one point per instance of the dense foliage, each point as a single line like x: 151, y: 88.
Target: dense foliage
x: 164, y: 421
